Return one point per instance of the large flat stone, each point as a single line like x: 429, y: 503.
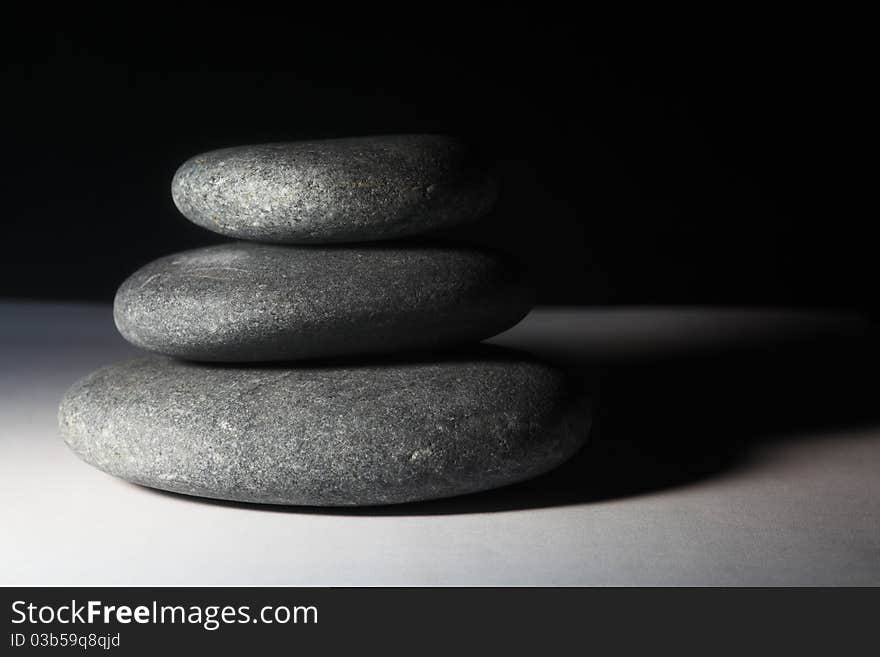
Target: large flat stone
x: 364, y: 433
x: 336, y: 190
x: 258, y: 302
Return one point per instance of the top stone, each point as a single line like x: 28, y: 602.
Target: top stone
x: 336, y: 190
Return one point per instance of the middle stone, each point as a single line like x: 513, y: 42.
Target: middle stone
x: 253, y: 302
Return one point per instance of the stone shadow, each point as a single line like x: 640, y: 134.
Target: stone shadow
x: 671, y: 415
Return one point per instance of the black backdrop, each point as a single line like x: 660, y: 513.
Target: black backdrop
x: 654, y: 167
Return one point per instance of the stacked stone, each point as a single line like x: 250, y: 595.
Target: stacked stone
x: 318, y: 363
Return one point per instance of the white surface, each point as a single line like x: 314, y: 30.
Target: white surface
x: 801, y: 511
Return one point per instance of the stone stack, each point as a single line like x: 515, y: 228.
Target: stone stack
x: 318, y: 363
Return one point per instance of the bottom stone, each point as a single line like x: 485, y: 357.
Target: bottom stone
x: 329, y: 434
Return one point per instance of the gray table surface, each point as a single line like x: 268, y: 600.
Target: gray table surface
x: 732, y: 447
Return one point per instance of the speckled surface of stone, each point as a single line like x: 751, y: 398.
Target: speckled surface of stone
x: 243, y: 302
x: 335, y: 190
x: 362, y: 433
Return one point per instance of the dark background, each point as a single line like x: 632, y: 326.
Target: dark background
x: 715, y: 165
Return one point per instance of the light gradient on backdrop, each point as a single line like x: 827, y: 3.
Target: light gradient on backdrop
x: 801, y: 511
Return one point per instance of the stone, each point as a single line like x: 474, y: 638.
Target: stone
x: 243, y: 301
x: 335, y: 190
x: 329, y: 434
